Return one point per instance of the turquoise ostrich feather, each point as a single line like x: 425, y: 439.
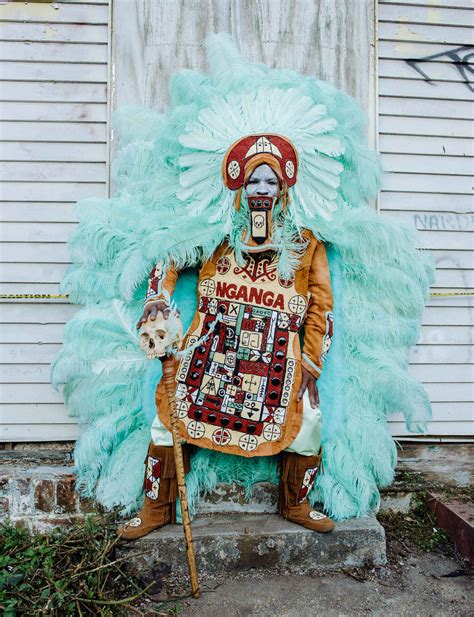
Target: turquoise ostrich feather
x: 170, y: 204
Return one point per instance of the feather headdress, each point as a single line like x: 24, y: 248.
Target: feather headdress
x: 171, y: 204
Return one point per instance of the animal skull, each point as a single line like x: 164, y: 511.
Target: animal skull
x: 160, y: 336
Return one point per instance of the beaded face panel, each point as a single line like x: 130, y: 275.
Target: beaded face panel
x: 235, y: 388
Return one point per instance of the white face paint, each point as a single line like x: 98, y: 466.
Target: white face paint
x: 263, y: 181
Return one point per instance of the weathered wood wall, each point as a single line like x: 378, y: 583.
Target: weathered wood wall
x: 53, y: 151
x: 329, y: 39
x: 426, y: 146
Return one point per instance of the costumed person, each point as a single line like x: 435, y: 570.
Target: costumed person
x: 297, y: 178
x: 241, y: 382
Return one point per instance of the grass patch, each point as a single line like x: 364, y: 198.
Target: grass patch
x: 66, y: 572
x: 416, y: 529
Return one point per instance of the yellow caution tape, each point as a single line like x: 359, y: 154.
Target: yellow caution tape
x: 66, y: 296
x: 452, y: 293
x: 32, y: 296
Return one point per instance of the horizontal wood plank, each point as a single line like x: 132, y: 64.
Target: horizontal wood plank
x: 459, y: 260
x: 465, y: 429
x: 418, y: 88
x: 440, y: 373
x: 67, y: 152
x: 52, y: 112
x: 54, y: 191
x: 430, y: 202
x: 454, y: 411
x: 419, y: 49
x: 426, y: 164
x: 53, y: 91
x: 398, y: 125
x: 416, y: 14
x: 37, y: 232
x: 54, y: 33
x: 434, y: 70
x: 57, y: 132
x: 427, y: 183
x: 21, y: 353
x: 55, y: 12
x: 39, y: 432
x: 41, y: 51
x: 53, y: 71
x: 453, y: 4
x: 443, y: 315
x: 33, y: 333
x: 427, y: 144
x: 447, y: 354
x: 31, y: 273
x: 446, y: 335
x: 459, y: 240
x: 39, y: 212
x: 29, y: 288
x: 438, y: 33
x: 24, y: 252
x: 433, y: 221
x: 12, y: 395
x: 34, y: 312
x: 455, y: 279
x: 425, y: 108
x: 467, y: 301
x: 25, y: 373
x: 34, y: 171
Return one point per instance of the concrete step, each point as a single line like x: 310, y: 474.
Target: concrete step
x: 263, y: 497
x: 231, y: 498
x: 244, y: 541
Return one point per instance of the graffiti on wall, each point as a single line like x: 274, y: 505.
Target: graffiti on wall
x: 433, y: 221
x: 462, y: 59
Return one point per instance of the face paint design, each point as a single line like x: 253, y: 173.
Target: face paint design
x: 262, y: 191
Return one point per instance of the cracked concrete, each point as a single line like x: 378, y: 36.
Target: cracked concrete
x: 417, y: 587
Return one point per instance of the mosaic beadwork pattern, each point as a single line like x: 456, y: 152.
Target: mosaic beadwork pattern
x: 152, y: 479
x: 235, y: 388
x: 307, y: 484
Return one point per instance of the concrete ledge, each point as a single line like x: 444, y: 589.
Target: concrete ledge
x: 231, y: 498
x: 249, y: 541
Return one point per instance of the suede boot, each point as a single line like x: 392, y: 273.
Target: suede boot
x: 298, y: 474
x: 161, y: 490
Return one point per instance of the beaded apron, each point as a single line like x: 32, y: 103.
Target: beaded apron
x: 236, y: 390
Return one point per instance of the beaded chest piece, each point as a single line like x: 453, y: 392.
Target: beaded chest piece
x: 236, y: 388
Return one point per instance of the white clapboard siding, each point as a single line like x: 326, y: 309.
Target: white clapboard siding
x: 426, y: 135
x: 53, y: 152
x: 44, y: 72
x: 54, y: 72
x: 47, y: 51
x: 45, y: 112
x: 37, y: 212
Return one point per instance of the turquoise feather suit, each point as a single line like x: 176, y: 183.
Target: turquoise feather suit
x: 170, y: 205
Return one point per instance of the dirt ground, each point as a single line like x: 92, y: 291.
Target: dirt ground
x: 417, y: 586
x: 424, y: 577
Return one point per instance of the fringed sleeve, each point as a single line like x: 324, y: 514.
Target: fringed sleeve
x: 319, y: 322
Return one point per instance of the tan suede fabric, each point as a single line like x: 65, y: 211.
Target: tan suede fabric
x: 256, y: 284
x: 160, y: 485
x: 297, y: 476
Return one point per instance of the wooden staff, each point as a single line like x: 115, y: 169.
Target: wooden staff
x: 168, y: 363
